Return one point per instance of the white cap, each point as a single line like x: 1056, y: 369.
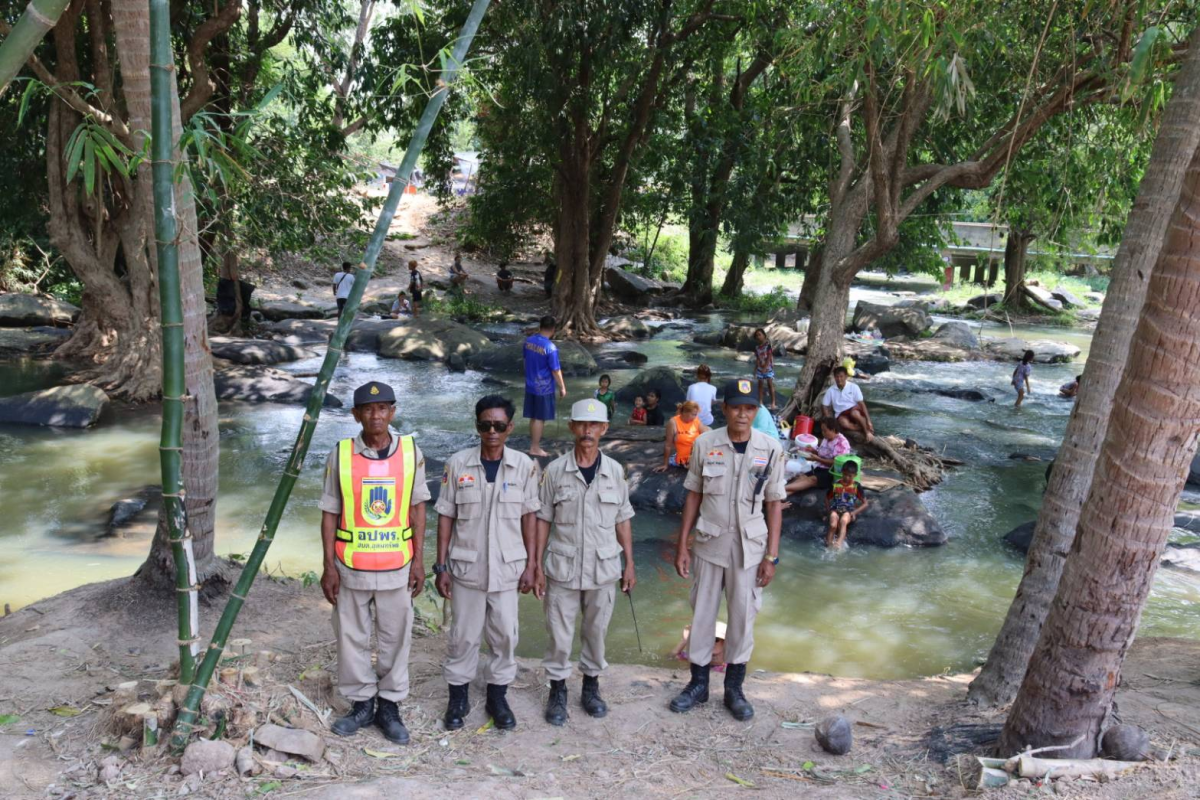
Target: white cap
x: 589, y: 411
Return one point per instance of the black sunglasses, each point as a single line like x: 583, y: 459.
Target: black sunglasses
x: 491, y: 425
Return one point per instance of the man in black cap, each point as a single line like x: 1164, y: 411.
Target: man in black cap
x: 373, y: 529
x: 735, y: 489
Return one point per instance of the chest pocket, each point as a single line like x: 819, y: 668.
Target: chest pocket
x: 469, y: 503
x: 566, y: 500
x: 610, y: 504
x: 511, y: 502
x: 716, y: 478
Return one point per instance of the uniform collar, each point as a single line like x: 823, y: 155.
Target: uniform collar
x: 475, y: 457
x: 360, y: 445
x: 721, y: 436
x: 573, y: 465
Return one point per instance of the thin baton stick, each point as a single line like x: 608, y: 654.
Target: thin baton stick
x: 629, y: 594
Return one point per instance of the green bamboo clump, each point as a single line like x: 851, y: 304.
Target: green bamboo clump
x: 166, y: 227
x: 186, y: 720
x: 39, y: 17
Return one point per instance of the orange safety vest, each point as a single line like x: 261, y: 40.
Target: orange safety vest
x: 375, y: 533
x: 685, y: 434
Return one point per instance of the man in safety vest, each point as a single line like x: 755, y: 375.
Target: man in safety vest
x: 373, y: 529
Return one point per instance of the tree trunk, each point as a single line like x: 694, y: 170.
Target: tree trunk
x: 826, y: 326
x: 702, y: 252
x: 737, y: 272
x: 131, y: 21
x: 1178, y: 139
x: 574, y: 302
x: 1123, y: 527
x: 1015, y: 251
x: 812, y: 278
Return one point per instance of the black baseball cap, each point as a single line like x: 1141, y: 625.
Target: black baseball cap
x: 374, y: 392
x: 740, y: 393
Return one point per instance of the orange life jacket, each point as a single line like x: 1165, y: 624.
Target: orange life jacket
x: 375, y: 533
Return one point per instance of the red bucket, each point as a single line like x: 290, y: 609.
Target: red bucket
x: 802, y: 424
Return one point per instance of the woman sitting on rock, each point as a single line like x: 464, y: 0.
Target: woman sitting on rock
x: 832, y: 445
x: 682, y: 431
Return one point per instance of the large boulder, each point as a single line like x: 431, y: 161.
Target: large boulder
x: 256, y: 351
x: 1094, y: 297
x: 626, y: 325
x: 278, y: 310
x: 872, y: 363
x: 621, y: 359
x: 958, y: 334
x: 785, y: 337
x: 1043, y: 298
x: 630, y: 287
x: 895, y: 517
x: 429, y: 339
x: 77, y: 406
x: 255, y: 384
x: 982, y: 301
x: 510, y: 358
x: 301, y: 331
x: 1064, y: 296
x: 1044, y: 351
x: 20, y: 310
x: 667, y: 381
x: 27, y: 341
x: 1020, y: 537
x: 890, y: 320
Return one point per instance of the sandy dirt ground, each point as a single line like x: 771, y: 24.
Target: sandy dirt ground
x: 69, y: 653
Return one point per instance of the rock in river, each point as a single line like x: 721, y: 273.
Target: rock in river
x: 256, y: 351
x: 510, y: 358
x: 1044, y: 351
x: 626, y: 325
x: 26, y: 341
x: 895, y: 517
x: 958, y: 334
x: 18, y: 310
x: 431, y: 339
x: 277, y: 310
x: 1064, y: 296
x: 1043, y: 297
x: 785, y: 337
x: 633, y: 288
x: 890, y: 320
x: 77, y: 406
x: 251, y: 384
x: 665, y: 380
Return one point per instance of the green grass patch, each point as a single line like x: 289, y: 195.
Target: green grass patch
x: 960, y: 292
x: 754, y: 303
x: 459, y: 306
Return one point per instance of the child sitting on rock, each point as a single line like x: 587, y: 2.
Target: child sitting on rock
x: 606, y: 395
x: 638, y: 417
x: 845, y: 501
x: 718, y: 654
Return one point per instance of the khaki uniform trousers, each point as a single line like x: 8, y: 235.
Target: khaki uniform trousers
x: 352, y: 625
x: 562, y: 606
x: 743, y: 599
x: 479, y: 615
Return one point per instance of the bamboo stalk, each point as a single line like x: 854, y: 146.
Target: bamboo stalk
x: 166, y: 227
x: 187, y: 714
x: 39, y: 17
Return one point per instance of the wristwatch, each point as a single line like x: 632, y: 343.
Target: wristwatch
x: 774, y: 561
x: 438, y: 569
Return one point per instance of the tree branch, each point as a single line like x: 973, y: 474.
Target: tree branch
x: 202, y: 83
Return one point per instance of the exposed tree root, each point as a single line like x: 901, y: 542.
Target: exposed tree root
x: 922, y: 468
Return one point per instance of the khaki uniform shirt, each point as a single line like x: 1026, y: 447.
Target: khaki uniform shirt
x: 582, y: 551
x: 486, y: 549
x: 728, y: 507
x: 331, y: 501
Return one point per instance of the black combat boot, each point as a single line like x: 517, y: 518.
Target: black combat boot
x: 458, y: 707
x: 497, y: 707
x: 556, y: 704
x: 387, y: 719
x: 590, y: 698
x: 361, y: 714
x: 695, y: 692
x: 735, y: 701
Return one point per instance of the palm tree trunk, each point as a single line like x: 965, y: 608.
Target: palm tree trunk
x: 1075, y: 669
x: 185, y: 722
x: 131, y: 20
x: 39, y: 17
x: 1071, y: 478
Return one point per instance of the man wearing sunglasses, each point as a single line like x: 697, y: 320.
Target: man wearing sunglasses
x: 373, y: 531
x: 586, y: 498
x: 486, y: 529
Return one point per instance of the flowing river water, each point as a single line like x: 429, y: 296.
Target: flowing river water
x: 867, y: 612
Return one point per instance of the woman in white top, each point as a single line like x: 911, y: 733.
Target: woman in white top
x: 703, y: 393
x: 844, y: 401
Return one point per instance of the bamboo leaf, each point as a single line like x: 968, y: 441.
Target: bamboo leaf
x: 379, y: 753
x: 89, y: 166
x: 739, y: 781
x: 8, y: 719
x: 1140, y: 61
x: 65, y: 711
x: 487, y: 726
x: 25, y: 97
x: 74, y: 151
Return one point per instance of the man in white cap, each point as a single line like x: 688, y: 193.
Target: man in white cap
x: 586, y: 498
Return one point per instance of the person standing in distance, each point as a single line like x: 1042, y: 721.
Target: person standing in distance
x: 373, y: 532
x: 416, y: 283
x: 735, y: 483
x: 585, y: 497
x: 486, y: 533
x: 343, y: 282
x: 543, y: 375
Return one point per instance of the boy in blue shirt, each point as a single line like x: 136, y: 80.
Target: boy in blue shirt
x: 542, y: 374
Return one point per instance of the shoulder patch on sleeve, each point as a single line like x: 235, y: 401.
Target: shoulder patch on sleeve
x: 445, y: 474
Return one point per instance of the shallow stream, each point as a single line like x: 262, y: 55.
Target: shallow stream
x: 867, y: 612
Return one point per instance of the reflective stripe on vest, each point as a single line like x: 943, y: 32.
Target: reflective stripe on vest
x: 375, y: 534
